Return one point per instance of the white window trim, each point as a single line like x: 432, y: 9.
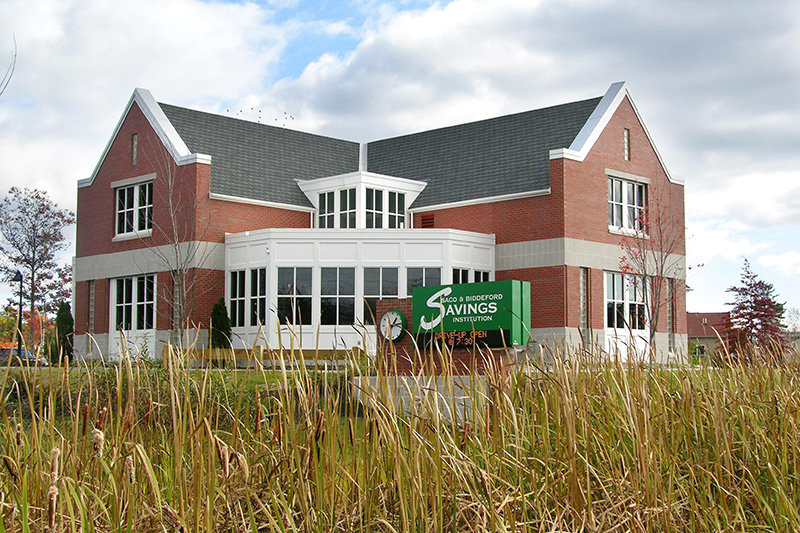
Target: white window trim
x: 131, y: 235
x: 136, y: 233
x: 626, y: 301
x: 624, y: 229
x: 133, y: 181
x: 134, y: 303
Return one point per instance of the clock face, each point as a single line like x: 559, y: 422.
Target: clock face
x: 393, y: 325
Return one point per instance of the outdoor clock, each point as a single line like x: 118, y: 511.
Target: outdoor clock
x: 393, y: 325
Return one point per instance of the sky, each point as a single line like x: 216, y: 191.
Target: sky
x: 717, y: 84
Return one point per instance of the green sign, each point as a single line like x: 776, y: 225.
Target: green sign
x: 493, y: 313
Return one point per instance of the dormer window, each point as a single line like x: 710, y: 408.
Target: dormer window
x: 397, y: 210
x: 374, y: 208
x: 326, y: 210
x: 361, y: 200
x: 347, y: 208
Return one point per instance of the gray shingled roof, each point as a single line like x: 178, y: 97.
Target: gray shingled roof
x: 493, y: 157
x: 257, y: 161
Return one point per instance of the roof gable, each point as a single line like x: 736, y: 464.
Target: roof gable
x: 596, y: 123
x: 160, y: 124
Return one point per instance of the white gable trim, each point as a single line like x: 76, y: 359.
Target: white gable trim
x: 161, y: 125
x: 484, y: 200
x: 597, y: 122
x: 262, y: 203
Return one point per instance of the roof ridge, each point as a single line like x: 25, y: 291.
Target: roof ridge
x: 257, y: 124
x: 489, y: 119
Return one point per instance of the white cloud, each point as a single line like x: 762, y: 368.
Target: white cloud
x: 786, y: 263
x: 710, y: 240
x: 767, y: 198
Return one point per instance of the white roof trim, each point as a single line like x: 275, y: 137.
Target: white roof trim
x: 263, y: 203
x: 597, y: 122
x: 485, y: 200
x: 161, y: 125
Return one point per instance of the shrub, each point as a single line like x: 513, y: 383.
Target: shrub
x: 220, y: 326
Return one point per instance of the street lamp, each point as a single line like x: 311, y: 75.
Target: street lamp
x: 18, y: 277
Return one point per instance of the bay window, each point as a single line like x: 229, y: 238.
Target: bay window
x: 294, y: 295
x: 337, y: 303
x: 378, y: 283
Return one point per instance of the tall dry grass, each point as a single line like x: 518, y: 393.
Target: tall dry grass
x: 578, y: 446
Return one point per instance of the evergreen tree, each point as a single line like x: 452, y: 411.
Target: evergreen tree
x: 756, y: 315
x: 64, y: 328
x: 220, y: 326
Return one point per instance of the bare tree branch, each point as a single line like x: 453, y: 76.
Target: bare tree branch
x: 10, y: 70
x: 655, y: 255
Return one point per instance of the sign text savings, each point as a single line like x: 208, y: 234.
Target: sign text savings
x: 464, y: 308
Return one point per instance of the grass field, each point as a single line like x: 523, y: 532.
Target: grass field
x: 576, y: 447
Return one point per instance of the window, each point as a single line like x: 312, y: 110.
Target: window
x: 337, y: 304
x: 237, y: 298
x: 427, y: 221
x: 134, y: 148
x: 625, y: 301
x: 326, y: 210
x: 347, y: 208
x: 626, y: 144
x: 480, y: 275
x: 374, y: 208
x: 378, y: 283
x: 134, y: 208
x: 397, y: 210
x: 258, y: 296
x: 671, y: 313
x: 626, y: 204
x: 135, y: 303
x: 585, y: 306
x: 90, y: 310
x: 422, y: 277
x: 294, y: 295
x: 460, y: 275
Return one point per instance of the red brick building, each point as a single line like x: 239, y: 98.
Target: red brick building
x: 185, y: 207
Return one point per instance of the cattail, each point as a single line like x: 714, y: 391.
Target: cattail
x: 85, y: 419
x: 258, y: 412
x: 19, y: 434
x: 54, y: 465
x: 100, y: 417
x: 277, y: 428
x: 98, y: 439
x: 173, y: 517
x: 223, y: 453
x: 66, y: 373
x: 319, y: 426
x: 243, y: 466
x: 10, y: 467
x: 52, y: 496
x: 130, y: 469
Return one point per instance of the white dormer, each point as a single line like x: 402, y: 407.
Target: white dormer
x: 362, y: 200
